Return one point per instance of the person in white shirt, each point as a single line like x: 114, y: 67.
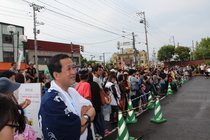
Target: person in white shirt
x: 115, y: 97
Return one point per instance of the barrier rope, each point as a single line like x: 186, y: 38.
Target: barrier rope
x: 140, y: 96
x: 143, y: 105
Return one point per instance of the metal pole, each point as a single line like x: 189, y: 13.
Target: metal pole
x: 35, y: 41
x: 72, y: 52
x: 17, y: 44
x: 145, y: 28
x: 134, y: 48
x: 193, y: 50
x: 13, y: 45
x: 35, y: 8
x: 174, y: 42
x: 24, y: 52
x: 104, y: 57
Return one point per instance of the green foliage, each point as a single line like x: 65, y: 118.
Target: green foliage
x: 165, y: 53
x: 83, y: 60
x: 203, y: 49
x: 207, y: 62
x: 182, y: 53
x: 110, y: 62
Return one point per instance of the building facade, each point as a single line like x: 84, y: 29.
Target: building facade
x: 128, y: 59
x: 46, y: 49
x: 9, y: 43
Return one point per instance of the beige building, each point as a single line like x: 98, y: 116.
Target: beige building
x: 127, y: 57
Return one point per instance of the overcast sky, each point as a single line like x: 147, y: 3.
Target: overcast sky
x: 100, y: 24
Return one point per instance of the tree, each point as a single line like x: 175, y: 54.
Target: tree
x: 183, y: 53
x: 203, y: 49
x: 165, y: 53
x: 83, y: 60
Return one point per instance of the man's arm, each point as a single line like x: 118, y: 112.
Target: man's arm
x: 90, y: 111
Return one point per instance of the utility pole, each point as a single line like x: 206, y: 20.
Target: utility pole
x: 193, y: 50
x: 134, y: 48
x: 144, y: 21
x: 72, y: 52
x: 104, y: 57
x: 154, y: 58
x: 174, y: 42
x: 145, y: 28
x: 35, y: 8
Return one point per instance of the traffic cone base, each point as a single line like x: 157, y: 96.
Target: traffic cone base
x: 132, y: 121
x: 122, y: 129
x: 158, y: 121
x: 130, y: 138
x: 151, y: 106
x: 169, y: 93
x: 158, y: 113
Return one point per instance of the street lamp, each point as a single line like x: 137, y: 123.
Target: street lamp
x: 12, y: 30
x: 23, y: 39
x: 92, y: 56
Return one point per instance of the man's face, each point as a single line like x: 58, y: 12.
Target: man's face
x: 99, y: 72
x: 14, y: 66
x: 67, y: 75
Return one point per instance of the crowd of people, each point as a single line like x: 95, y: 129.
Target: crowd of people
x: 75, y: 97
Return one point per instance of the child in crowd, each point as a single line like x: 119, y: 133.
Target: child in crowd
x: 107, y: 107
x: 186, y: 74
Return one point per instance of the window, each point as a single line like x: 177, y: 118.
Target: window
x: 8, y: 56
x: 76, y: 60
x: 44, y: 59
x: 142, y: 55
x: 7, y: 38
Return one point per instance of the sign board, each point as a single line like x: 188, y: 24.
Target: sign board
x: 126, y: 43
x: 31, y: 91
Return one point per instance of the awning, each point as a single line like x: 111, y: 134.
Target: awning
x: 7, y: 66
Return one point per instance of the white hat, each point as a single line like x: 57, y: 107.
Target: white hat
x: 31, y: 63
x: 113, y: 70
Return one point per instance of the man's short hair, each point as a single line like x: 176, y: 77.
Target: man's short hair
x: 55, y: 65
x: 83, y: 73
x: 131, y: 71
x: 95, y: 68
x: 13, y: 63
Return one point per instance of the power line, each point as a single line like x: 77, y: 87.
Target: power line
x: 156, y: 38
x: 86, y: 15
x: 14, y: 16
x: 12, y: 9
x: 94, y: 11
x: 81, y: 42
x: 72, y: 30
x: 80, y: 21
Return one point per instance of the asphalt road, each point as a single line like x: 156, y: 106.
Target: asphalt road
x: 187, y: 112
